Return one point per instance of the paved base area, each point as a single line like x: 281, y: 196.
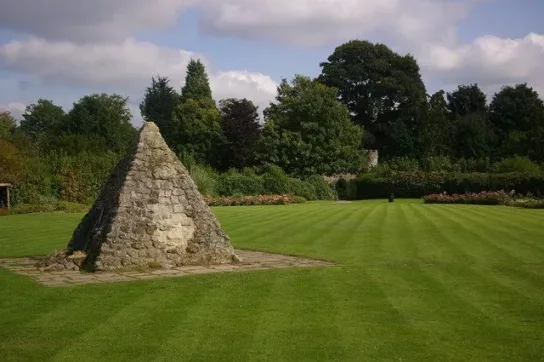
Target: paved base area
x: 252, y: 260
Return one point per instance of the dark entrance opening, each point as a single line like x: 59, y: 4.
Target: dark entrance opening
x: 4, y: 196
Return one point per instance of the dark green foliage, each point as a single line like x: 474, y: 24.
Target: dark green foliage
x: 160, y: 101
x: 342, y: 188
x: 104, y: 116
x: 307, y: 131
x: 474, y: 137
x: 517, y: 115
x: 466, y: 100
x: 42, y: 118
x: 197, y: 84
x: 241, y: 129
x: 383, y: 91
x: 437, y: 134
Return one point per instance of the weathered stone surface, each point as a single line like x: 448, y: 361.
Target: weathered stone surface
x: 253, y: 260
x: 148, y: 213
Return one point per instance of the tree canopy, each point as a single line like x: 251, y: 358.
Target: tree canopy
x: 307, y: 131
x: 7, y: 124
x: 104, y: 116
x: 383, y: 91
x: 197, y: 84
x: 197, y: 119
x: 42, y: 117
x: 517, y: 115
x: 158, y: 105
x: 241, y: 128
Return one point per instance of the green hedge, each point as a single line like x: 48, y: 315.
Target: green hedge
x: 273, y: 181
x: 49, y: 207
x: 419, y: 184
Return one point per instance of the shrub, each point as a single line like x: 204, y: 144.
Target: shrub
x: 49, y: 207
x: 527, y: 203
x: 323, y: 189
x: 276, y: 182
x: 205, y: 179
x: 254, y: 200
x: 303, y: 189
x: 516, y: 164
x: 233, y: 183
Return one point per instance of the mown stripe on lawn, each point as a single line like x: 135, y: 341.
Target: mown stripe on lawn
x: 59, y: 316
x: 443, y: 245
x: 502, y: 237
x: 220, y: 324
x: 509, y: 224
x: 476, y: 237
x: 298, y: 324
x: 507, y: 309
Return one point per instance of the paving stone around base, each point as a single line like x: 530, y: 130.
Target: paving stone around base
x: 252, y: 260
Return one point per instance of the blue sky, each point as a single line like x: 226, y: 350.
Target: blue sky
x: 62, y: 53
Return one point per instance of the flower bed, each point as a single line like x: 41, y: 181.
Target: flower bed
x: 480, y: 198
x: 486, y: 198
x: 254, y: 200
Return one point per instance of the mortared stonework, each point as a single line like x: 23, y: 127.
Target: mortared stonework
x: 149, y: 214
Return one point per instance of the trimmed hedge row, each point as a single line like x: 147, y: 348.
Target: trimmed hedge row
x: 419, y: 184
x: 272, y: 182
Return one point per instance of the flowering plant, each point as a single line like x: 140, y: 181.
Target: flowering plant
x: 254, y: 200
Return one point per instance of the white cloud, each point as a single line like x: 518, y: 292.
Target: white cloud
x: 82, y: 20
x: 124, y: 67
x: 308, y: 22
x: 90, y: 44
x: 320, y: 22
x: 15, y: 108
x: 489, y: 61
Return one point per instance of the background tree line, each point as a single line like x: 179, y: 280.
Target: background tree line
x: 366, y: 97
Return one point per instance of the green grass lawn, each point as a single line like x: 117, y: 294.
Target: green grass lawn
x: 415, y: 282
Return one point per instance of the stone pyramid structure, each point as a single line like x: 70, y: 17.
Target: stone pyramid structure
x: 149, y: 214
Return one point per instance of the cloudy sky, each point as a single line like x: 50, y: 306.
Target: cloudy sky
x: 64, y: 49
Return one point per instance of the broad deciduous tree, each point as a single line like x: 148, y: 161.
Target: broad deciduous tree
x: 105, y: 116
x: 465, y: 100
x: 307, y: 131
x: 42, y: 117
x: 517, y: 115
x: 383, y: 91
